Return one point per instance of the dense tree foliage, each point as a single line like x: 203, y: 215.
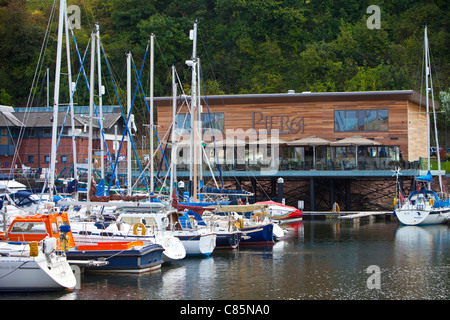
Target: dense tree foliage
x: 246, y: 46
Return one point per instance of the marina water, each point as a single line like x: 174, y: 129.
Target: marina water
x: 318, y: 260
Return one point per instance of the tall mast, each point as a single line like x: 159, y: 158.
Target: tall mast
x: 62, y: 6
x: 71, y: 91
x: 438, y: 156
x: 100, y: 103
x: 91, y: 112
x: 152, y: 37
x: 129, y: 122
x: 427, y: 72
x: 174, y: 146
x: 193, y: 149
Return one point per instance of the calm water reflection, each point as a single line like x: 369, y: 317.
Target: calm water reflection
x: 318, y: 260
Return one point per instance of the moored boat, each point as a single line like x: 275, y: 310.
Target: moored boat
x: 130, y: 227
x: 256, y: 227
x: 424, y: 206
x: 126, y: 256
x: 282, y: 213
x: 34, y: 266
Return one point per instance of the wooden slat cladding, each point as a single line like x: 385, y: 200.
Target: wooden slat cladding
x: 296, y: 120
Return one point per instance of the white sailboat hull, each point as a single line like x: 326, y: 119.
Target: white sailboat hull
x: 197, y: 243
x: 40, y: 273
x: 411, y: 216
x: 86, y: 233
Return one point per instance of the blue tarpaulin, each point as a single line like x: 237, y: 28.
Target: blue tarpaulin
x: 427, y: 178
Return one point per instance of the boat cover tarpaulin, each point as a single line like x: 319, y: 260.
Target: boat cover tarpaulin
x: 426, y: 178
x: 223, y: 191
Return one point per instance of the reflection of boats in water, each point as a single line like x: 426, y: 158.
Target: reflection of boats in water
x: 421, y: 240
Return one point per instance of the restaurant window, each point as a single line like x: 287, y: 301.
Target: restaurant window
x: 361, y: 120
x: 210, y: 122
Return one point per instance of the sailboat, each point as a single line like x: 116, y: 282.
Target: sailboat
x: 32, y: 266
x: 425, y: 206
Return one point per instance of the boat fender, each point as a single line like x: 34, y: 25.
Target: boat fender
x: 336, y: 208
x: 257, y: 217
x: 49, y: 245
x: 431, y: 202
x: 136, y: 226
x: 34, y: 248
x: 395, y: 202
x: 240, y: 223
x: 165, y: 222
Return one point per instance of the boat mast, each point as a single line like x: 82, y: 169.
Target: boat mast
x: 91, y: 113
x: 62, y: 5
x: 71, y: 92
x: 100, y: 103
x: 427, y: 72
x: 429, y: 80
x: 174, y: 146
x: 129, y: 123
x: 193, y: 149
x: 152, y: 37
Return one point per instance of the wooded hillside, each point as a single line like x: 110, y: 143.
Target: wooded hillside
x: 246, y: 46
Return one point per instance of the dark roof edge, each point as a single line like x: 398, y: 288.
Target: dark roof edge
x: 409, y: 95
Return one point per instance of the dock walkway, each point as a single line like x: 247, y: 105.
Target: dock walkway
x: 345, y: 215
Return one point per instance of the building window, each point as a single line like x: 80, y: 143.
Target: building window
x: 4, y: 137
x: 31, y: 132
x: 30, y: 159
x: 211, y: 122
x: 64, y: 159
x: 361, y: 120
x: 47, y: 159
x: 47, y: 132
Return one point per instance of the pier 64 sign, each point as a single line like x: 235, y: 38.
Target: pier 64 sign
x: 283, y: 123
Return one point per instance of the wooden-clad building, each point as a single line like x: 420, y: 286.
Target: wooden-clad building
x: 391, y: 118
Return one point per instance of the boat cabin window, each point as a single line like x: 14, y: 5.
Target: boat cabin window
x: 54, y: 227
x: 150, y: 222
x: 29, y: 227
x: 131, y: 220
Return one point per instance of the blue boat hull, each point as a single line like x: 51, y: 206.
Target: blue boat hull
x: 228, y: 240
x: 258, y: 235
x: 139, y: 260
